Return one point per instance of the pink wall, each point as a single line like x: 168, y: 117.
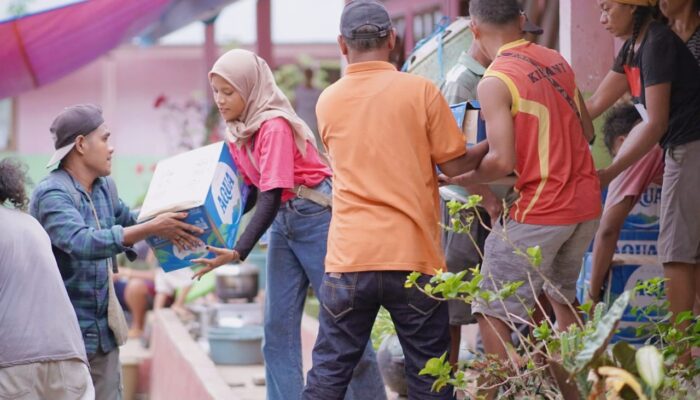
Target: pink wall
x: 584, y: 42
x: 125, y: 83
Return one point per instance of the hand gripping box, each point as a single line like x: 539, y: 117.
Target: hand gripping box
x: 206, y: 184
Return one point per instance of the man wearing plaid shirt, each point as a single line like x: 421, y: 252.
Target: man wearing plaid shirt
x: 88, y: 226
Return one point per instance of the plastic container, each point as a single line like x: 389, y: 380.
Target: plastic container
x: 236, y: 346
x: 236, y: 315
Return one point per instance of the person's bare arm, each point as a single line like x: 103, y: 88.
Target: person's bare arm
x: 605, y: 242
x: 500, y: 159
x: 467, y: 162
x: 614, y: 85
x: 644, y: 135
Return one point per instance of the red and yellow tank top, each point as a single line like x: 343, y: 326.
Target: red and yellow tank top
x: 557, y: 182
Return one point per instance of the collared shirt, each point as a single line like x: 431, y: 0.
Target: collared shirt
x: 83, y: 251
x: 462, y: 80
x: 385, y: 131
x: 460, y: 86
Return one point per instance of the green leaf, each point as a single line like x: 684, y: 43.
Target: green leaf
x: 542, y: 332
x: 625, y: 356
x: 684, y: 316
x: 586, y: 307
x: 440, y: 369
x: 474, y: 200
x: 535, y: 256
x: 428, y: 288
x: 596, y: 342
x: 650, y: 364
x: 411, y: 280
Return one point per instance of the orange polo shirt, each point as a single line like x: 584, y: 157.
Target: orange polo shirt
x: 557, y: 182
x: 385, y: 131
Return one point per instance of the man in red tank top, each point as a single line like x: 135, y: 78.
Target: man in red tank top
x: 536, y: 127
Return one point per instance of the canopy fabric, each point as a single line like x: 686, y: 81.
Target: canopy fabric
x: 180, y: 13
x: 40, y: 48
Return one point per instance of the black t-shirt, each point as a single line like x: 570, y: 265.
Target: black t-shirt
x: 662, y: 58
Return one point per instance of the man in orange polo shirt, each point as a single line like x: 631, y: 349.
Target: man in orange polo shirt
x: 536, y: 125
x: 385, y: 132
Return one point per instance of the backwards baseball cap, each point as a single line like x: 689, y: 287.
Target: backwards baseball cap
x: 72, y: 122
x: 359, y: 13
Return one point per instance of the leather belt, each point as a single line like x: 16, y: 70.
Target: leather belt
x: 320, y: 198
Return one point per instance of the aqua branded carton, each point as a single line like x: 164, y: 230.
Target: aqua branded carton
x: 206, y: 184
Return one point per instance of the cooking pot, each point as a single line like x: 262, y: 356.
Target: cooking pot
x: 237, y: 281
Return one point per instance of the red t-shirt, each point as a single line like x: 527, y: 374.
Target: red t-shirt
x: 279, y: 162
x: 557, y: 182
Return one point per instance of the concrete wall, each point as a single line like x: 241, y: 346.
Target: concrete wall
x: 180, y: 369
x: 584, y: 42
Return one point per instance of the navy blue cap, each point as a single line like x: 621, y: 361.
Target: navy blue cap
x: 359, y: 13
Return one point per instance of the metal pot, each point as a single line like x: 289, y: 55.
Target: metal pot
x: 391, y: 361
x: 237, y: 281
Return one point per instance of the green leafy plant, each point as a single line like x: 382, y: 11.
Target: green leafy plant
x: 576, y: 363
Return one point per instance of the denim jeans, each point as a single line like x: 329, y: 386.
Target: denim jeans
x: 296, y: 256
x: 350, y: 302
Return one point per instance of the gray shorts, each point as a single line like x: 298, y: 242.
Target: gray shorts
x: 679, y: 233
x: 562, y: 246
x: 460, y: 255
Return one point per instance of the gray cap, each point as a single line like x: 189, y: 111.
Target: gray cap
x: 72, y: 122
x: 359, y: 13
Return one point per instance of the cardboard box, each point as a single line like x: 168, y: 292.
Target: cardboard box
x: 205, y: 183
x: 468, y: 116
x: 622, y: 277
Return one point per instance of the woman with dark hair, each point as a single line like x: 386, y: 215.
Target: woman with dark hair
x: 42, y: 355
x: 659, y: 71
x: 684, y: 19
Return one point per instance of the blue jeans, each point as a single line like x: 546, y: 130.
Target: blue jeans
x: 296, y: 256
x: 350, y: 302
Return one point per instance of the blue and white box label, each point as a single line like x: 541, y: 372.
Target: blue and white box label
x: 206, y: 184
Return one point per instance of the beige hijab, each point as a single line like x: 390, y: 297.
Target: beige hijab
x: 251, y: 77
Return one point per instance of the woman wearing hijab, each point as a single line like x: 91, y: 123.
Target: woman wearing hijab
x: 659, y: 71
x: 275, y: 153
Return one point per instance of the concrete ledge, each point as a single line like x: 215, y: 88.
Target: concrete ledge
x: 180, y: 368
x: 309, y: 331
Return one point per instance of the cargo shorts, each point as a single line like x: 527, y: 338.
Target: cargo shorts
x: 562, y: 247
x: 679, y: 231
